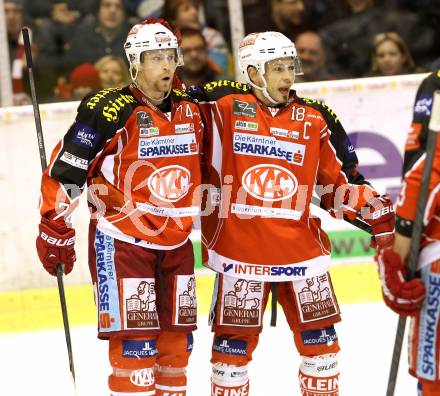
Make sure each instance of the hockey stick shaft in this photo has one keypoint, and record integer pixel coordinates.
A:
(41, 148)
(431, 144)
(356, 222)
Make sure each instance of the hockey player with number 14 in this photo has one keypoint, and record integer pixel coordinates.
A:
(138, 150)
(266, 151)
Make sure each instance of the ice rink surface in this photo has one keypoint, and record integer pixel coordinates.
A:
(36, 363)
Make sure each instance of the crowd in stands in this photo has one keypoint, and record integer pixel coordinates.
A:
(78, 44)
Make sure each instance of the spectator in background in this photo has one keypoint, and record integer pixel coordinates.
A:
(348, 41)
(113, 72)
(185, 14)
(391, 56)
(313, 59)
(435, 65)
(198, 69)
(14, 23)
(288, 17)
(52, 35)
(67, 10)
(83, 79)
(285, 16)
(105, 36)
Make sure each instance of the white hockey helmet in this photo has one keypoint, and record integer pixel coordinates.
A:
(256, 49)
(148, 37)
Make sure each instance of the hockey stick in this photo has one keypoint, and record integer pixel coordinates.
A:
(27, 48)
(434, 128)
(357, 222)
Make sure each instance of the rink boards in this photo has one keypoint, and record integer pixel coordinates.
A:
(38, 309)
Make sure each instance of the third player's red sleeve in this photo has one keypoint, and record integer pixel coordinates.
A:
(414, 163)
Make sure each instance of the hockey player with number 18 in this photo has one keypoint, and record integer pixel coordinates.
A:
(138, 150)
(266, 150)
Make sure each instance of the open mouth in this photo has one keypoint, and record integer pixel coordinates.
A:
(284, 91)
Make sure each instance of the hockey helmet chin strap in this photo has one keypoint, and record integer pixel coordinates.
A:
(265, 92)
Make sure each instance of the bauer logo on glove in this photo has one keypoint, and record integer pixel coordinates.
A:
(57, 241)
(55, 245)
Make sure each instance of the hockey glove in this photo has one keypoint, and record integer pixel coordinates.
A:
(402, 296)
(55, 245)
(379, 214)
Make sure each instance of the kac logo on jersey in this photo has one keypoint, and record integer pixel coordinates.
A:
(269, 182)
(245, 109)
(143, 377)
(170, 183)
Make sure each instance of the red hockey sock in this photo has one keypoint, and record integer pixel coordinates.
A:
(170, 381)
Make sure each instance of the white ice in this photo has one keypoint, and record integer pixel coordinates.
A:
(36, 363)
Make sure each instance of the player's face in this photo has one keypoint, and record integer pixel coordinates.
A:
(156, 72)
(280, 75)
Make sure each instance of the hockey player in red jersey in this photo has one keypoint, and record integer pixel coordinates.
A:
(266, 151)
(408, 297)
(138, 150)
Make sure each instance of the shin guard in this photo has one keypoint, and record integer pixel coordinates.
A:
(319, 375)
(228, 380)
(132, 360)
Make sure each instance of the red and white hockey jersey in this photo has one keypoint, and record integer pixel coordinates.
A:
(140, 165)
(414, 163)
(262, 166)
